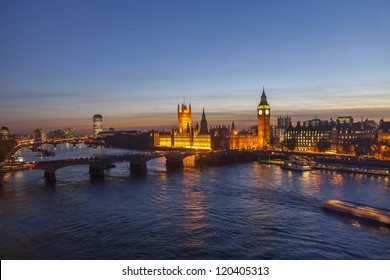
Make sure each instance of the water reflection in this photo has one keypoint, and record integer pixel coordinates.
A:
(158, 167)
(355, 224)
(310, 183)
(192, 200)
(337, 180)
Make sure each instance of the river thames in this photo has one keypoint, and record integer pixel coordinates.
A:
(240, 211)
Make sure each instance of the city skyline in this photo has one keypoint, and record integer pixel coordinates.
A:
(132, 62)
(242, 120)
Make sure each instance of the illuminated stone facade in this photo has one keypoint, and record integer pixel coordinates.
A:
(184, 119)
(183, 137)
(243, 140)
(263, 122)
(165, 139)
(183, 140)
(186, 136)
(202, 141)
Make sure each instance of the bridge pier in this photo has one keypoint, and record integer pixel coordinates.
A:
(1, 179)
(50, 176)
(174, 163)
(138, 169)
(96, 170)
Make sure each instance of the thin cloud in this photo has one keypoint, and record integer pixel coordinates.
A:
(9, 96)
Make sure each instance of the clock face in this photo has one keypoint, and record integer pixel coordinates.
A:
(266, 112)
(260, 112)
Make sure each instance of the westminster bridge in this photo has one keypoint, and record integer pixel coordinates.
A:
(138, 162)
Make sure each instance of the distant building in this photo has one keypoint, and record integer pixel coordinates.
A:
(277, 132)
(355, 137)
(347, 133)
(308, 136)
(40, 135)
(56, 134)
(4, 133)
(313, 122)
(69, 132)
(97, 125)
(370, 123)
(284, 121)
(384, 139)
(384, 132)
(344, 120)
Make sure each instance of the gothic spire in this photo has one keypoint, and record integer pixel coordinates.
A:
(263, 99)
(203, 124)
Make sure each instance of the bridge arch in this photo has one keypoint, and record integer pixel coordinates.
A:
(179, 160)
(157, 164)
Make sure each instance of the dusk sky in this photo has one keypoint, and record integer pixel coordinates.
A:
(61, 62)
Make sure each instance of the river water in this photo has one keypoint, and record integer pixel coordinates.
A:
(241, 211)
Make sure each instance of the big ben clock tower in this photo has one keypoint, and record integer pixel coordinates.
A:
(263, 122)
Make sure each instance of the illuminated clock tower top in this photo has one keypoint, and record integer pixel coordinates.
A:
(263, 100)
(263, 109)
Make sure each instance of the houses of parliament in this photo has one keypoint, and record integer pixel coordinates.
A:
(186, 135)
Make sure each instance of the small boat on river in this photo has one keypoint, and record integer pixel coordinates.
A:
(295, 165)
(359, 211)
(46, 153)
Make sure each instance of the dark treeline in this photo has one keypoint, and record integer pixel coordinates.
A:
(5, 147)
(142, 141)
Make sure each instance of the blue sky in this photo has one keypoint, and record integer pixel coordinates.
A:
(133, 61)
